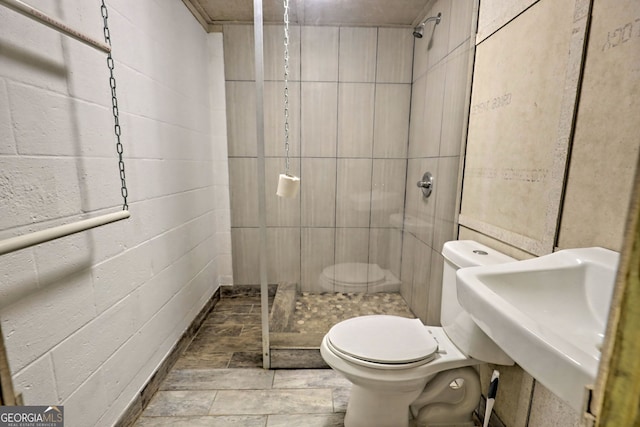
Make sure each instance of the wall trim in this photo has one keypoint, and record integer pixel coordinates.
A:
(198, 12)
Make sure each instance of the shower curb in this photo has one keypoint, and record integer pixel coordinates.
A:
(284, 306)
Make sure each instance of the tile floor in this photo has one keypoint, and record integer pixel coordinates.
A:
(219, 381)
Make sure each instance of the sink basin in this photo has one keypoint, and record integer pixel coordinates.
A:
(548, 314)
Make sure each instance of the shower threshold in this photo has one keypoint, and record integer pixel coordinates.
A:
(299, 320)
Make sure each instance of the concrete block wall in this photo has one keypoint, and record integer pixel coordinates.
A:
(86, 319)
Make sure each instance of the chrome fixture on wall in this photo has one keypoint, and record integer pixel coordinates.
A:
(419, 29)
(426, 184)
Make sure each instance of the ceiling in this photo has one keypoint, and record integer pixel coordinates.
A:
(379, 13)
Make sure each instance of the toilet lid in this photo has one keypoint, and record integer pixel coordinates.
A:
(357, 273)
(384, 339)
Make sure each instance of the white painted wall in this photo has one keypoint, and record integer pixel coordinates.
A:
(88, 318)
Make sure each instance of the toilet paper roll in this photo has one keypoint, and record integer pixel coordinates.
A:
(288, 185)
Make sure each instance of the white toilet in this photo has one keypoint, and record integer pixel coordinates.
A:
(398, 364)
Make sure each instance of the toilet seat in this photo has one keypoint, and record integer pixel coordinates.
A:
(383, 342)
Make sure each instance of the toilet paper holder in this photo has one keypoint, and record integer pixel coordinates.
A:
(426, 184)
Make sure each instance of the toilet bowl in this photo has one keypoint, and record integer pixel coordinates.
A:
(398, 365)
(357, 277)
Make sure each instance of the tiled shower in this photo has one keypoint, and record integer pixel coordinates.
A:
(371, 110)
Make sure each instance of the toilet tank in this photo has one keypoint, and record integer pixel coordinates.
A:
(457, 324)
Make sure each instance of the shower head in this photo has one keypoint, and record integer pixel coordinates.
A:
(419, 30)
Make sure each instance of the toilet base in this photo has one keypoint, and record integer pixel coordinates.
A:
(368, 408)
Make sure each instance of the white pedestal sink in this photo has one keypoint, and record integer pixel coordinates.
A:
(548, 314)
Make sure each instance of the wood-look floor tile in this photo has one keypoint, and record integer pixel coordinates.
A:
(254, 330)
(232, 318)
(246, 359)
(341, 398)
(210, 421)
(202, 360)
(306, 420)
(219, 330)
(253, 402)
(235, 308)
(218, 379)
(309, 378)
(180, 403)
(224, 344)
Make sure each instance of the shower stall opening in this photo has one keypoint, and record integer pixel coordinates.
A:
(299, 320)
(371, 110)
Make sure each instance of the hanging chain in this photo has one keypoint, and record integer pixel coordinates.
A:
(114, 108)
(286, 86)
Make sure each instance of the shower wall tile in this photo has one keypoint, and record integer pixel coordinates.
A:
(409, 243)
(319, 119)
(355, 119)
(461, 18)
(319, 53)
(455, 101)
(241, 118)
(417, 125)
(445, 227)
(283, 249)
(437, 46)
(274, 119)
(434, 297)
(318, 252)
(242, 188)
(395, 55)
(353, 193)
(421, 276)
(357, 56)
(426, 142)
(352, 245)
(239, 62)
(274, 52)
(318, 192)
(420, 211)
(385, 249)
(281, 211)
(391, 122)
(387, 194)
(246, 243)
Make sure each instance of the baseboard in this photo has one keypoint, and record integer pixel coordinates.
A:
(134, 410)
